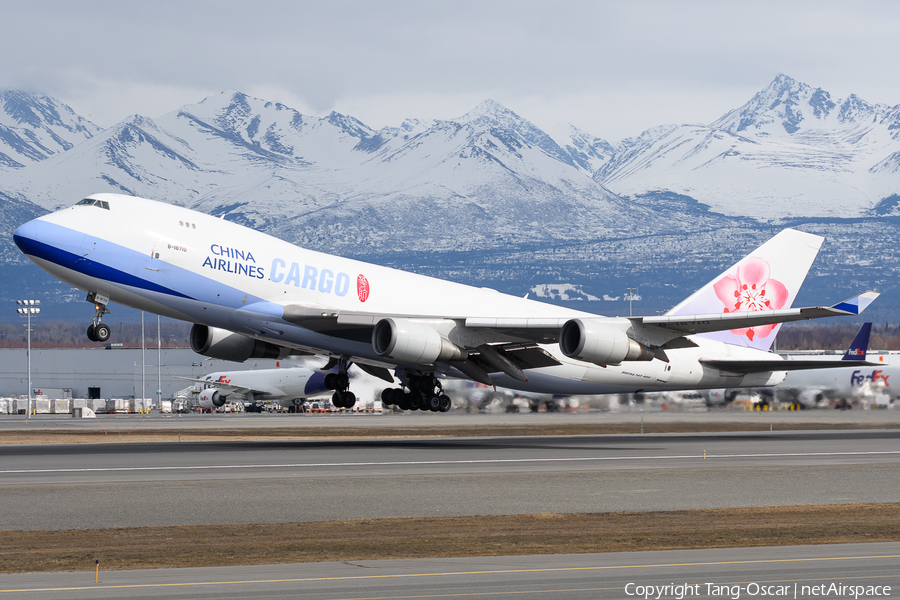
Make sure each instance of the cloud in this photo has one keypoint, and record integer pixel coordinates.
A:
(611, 68)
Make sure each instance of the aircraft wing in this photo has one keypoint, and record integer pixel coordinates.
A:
(689, 324)
(228, 388)
(546, 330)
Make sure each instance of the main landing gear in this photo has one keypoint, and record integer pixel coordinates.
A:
(340, 382)
(424, 393)
(97, 331)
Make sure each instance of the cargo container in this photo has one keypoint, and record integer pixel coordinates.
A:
(139, 405)
(41, 406)
(4, 405)
(61, 407)
(79, 403)
(116, 405)
(98, 405)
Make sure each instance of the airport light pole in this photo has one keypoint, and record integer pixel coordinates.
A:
(26, 309)
(631, 292)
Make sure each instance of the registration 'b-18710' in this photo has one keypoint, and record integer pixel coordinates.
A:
(250, 295)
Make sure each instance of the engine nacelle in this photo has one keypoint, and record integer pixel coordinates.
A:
(597, 342)
(227, 345)
(212, 398)
(409, 341)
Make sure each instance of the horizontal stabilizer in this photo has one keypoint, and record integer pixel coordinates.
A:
(766, 366)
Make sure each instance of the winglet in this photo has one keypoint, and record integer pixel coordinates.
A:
(856, 304)
(860, 344)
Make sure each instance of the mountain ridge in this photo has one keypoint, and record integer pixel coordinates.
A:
(494, 185)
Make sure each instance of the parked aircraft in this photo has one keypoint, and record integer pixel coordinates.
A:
(250, 295)
(808, 387)
(869, 382)
(288, 386)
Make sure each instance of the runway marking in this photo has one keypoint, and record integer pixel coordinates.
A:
(460, 573)
(485, 461)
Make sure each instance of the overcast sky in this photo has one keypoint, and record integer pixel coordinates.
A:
(613, 69)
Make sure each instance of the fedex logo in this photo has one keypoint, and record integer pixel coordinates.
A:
(855, 352)
(222, 379)
(877, 376)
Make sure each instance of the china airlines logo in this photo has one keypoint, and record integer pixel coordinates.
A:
(751, 290)
(362, 288)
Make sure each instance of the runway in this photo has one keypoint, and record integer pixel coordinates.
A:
(111, 485)
(787, 572)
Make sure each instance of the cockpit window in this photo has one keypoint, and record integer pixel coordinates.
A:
(92, 202)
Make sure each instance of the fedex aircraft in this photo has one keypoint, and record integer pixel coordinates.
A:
(250, 295)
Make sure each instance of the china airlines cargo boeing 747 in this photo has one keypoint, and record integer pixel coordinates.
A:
(250, 295)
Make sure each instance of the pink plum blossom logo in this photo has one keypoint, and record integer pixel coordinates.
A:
(362, 288)
(750, 291)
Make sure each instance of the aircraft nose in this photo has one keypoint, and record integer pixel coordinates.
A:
(26, 237)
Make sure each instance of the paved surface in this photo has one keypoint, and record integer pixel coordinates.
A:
(785, 572)
(137, 484)
(433, 423)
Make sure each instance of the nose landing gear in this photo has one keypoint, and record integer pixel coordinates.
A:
(97, 331)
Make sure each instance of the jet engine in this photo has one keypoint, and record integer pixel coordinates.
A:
(409, 341)
(211, 398)
(600, 343)
(227, 345)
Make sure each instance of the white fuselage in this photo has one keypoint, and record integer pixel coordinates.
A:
(194, 267)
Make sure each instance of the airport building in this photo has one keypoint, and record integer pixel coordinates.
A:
(112, 372)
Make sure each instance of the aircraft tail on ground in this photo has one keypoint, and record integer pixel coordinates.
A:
(860, 344)
(767, 279)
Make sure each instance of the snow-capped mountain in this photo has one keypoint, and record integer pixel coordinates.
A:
(489, 198)
(485, 179)
(35, 127)
(791, 151)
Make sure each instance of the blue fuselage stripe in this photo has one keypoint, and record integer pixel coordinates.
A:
(86, 266)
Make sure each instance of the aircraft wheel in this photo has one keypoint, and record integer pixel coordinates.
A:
(348, 398)
(402, 401)
(424, 385)
(387, 396)
(102, 332)
(446, 403)
(415, 401)
(90, 333)
(337, 400)
(433, 403)
(342, 382)
(330, 381)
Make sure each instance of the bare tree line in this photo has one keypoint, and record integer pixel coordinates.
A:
(61, 334)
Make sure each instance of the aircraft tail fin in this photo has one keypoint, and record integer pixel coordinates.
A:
(767, 279)
(860, 344)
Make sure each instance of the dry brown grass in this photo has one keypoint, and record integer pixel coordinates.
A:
(136, 434)
(221, 545)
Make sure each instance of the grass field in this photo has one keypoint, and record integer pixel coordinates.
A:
(222, 545)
